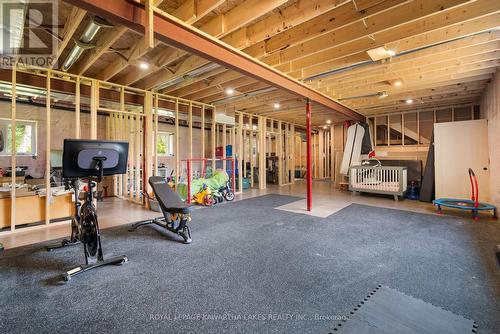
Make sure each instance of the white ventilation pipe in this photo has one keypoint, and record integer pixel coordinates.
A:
(84, 42)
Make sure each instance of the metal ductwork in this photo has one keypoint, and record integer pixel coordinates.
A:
(84, 43)
(193, 74)
(241, 96)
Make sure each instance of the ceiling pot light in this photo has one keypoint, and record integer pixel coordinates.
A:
(409, 101)
(144, 66)
(277, 105)
(229, 91)
(398, 83)
(328, 122)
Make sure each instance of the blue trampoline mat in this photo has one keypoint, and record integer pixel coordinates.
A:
(463, 204)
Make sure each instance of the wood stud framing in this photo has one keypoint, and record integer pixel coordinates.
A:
(302, 43)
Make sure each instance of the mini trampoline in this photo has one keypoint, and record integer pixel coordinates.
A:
(472, 204)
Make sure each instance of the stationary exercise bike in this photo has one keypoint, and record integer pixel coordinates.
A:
(90, 160)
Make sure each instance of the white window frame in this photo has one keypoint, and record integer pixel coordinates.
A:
(5, 123)
(170, 143)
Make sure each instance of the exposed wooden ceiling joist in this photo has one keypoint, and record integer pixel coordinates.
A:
(176, 33)
(445, 49)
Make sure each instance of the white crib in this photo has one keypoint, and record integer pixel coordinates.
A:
(379, 180)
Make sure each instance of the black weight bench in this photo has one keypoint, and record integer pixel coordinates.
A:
(176, 213)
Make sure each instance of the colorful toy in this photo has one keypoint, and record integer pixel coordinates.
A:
(227, 192)
(204, 197)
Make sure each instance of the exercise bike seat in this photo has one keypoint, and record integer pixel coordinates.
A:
(168, 199)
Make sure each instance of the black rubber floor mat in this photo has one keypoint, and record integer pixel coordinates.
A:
(387, 311)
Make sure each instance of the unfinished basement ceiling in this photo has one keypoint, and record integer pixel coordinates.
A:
(440, 53)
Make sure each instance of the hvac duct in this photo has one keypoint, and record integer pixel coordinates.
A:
(84, 43)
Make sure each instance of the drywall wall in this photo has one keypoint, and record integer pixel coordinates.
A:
(490, 108)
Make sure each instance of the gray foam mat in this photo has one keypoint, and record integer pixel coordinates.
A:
(387, 311)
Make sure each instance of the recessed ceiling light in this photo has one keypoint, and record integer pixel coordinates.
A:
(328, 122)
(391, 53)
(229, 91)
(277, 105)
(409, 101)
(143, 65)
(325, 127)
(398, 83)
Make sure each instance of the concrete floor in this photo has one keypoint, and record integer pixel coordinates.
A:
(326, 200)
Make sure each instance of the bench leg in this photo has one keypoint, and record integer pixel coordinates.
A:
(135, 226)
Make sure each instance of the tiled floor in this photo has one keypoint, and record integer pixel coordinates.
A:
(326, 200)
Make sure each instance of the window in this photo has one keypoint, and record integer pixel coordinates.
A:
(411, 129)
(381, 128)
(415, 127)
(462, 114)
(395, 130)
(165, 144)
(25, 137)
(444, 115)
(426, 125)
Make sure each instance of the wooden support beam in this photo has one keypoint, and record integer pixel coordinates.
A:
(214, 137)
(190, 11)
(177, 145)
(148, 144)
(262, 152)
(292, 153)
(224, 144)
(332, 152)
(132, 139)
(94, 105)
(77, 109)
(241, 159)
(149, 38)
(251, 146)
(139, 151)
(48, 126)
(13, 126)
(155, 138)
(279, 153)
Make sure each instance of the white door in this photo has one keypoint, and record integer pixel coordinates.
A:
(459, 146)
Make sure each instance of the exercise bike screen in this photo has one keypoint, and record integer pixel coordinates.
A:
(86, 158)
(79, 157)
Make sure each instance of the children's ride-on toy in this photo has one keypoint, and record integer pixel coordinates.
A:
(204, 197)
(227, 192)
